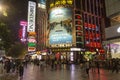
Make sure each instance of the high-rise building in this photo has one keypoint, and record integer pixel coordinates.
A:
(113, 11)
(75, 28)
(41, 25)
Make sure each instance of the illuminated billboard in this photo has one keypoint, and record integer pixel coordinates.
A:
(31, 43)
(114, 48)
(60, 2)
(31, 16)
(23, 30)
(60, 31)
(42, 4)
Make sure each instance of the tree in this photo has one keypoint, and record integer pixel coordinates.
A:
(6, 36)
(17, 51)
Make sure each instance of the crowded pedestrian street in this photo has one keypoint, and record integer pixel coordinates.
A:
(59, 39)
(66, 72)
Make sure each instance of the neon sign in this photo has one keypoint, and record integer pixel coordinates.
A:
(22, 32)
(31, 16)
(62, 2)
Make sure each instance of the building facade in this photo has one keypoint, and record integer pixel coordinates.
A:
(41, 25)
(113, 12)
(75, 28)
(112, 31)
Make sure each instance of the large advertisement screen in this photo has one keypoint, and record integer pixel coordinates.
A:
(60, 31)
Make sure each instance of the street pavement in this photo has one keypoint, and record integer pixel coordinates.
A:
(71, 72)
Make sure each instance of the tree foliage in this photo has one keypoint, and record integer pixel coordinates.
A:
(5, 36)
(17, 51)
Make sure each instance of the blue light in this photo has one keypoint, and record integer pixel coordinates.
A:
(42, 2)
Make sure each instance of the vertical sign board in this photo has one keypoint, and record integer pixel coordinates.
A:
(23, 36)
(31, 23)
(31, 16)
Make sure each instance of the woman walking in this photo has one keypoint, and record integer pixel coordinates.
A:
(21, 71)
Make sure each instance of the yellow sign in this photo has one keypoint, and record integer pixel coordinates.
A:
(62, 2)
(38, 52)
(32, 33)
(58, 50)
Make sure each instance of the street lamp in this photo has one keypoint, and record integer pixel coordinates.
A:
(0, 8)
(3, 11)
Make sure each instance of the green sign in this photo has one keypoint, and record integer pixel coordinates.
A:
(31, 44)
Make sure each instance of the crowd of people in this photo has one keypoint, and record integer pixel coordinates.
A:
(18, 65)
(112, 65)
(8, 66)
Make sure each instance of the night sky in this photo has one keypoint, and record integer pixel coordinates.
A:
(17, 11)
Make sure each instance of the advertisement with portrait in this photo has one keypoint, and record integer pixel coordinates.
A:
(115, 49)
(60, 28)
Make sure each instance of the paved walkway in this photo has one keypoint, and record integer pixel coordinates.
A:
(72, 72)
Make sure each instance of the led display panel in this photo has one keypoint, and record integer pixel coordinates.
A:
(60, 28)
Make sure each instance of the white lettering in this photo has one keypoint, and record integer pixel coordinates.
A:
(31, 16)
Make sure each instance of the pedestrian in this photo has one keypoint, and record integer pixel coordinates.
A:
(87, 67)
(21, 70)
(7, 66)
(1, 67)
(12, 65)
(92, 66)
(52, 64)
(115, 66)
(98, 66)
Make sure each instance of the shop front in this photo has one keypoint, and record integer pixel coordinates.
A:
(112, 44)
(68, 55)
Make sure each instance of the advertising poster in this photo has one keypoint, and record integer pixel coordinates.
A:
(31, 43)
(114, 49)
(60, 31)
